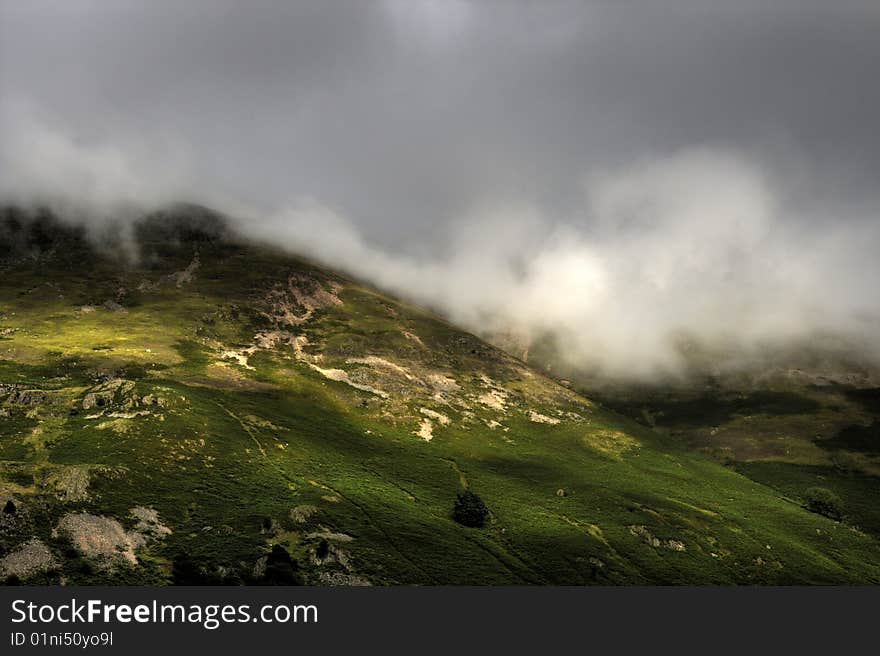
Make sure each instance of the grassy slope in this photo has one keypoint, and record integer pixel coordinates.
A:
(235, 447)
(789, 435)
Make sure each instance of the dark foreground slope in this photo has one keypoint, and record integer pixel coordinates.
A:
(215, 411)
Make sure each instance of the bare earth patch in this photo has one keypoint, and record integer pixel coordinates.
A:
(425, 430)
(30, 558)
(441, 383)
(148, 522)
(375, 361)
(436, 416)
(413, 338)
(495, 399)
(330, 535)
(340, 578)
(241, 357)
(342, 376)
(101, 538)
(538, 418)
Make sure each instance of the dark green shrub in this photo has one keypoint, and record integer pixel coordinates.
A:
(133, 371)
(281, 569)
(184, 571)
(823, 501)
(470, 510)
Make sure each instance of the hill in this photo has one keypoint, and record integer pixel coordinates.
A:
(178, 405)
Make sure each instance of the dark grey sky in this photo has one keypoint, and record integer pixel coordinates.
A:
(406, 113)
(419, 129)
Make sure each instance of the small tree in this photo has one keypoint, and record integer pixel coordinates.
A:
(470, 510)
(184, 571)
(823, 501)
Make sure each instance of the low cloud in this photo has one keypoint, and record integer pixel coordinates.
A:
(634, 182)
(703, 246)
(696, 247)
(87, 180)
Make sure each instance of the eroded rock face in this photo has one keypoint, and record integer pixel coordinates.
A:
(184, 277)
(30, 558)
(295, 303)
(27, 397)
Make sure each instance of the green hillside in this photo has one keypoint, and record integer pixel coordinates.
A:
(793, 433)
(179, 406)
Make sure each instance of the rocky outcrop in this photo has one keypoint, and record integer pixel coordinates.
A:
(107, 393)
(653, 541)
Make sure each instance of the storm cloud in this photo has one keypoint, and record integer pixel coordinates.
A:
(619, 175)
